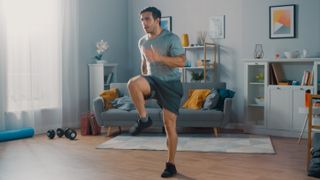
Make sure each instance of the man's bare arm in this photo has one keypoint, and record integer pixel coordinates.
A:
(176, 61)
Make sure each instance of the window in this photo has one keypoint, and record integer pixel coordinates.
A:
(33, 54)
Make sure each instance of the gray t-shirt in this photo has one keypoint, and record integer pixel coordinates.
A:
(166, 44)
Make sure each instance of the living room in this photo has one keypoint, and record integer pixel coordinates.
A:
(71, 36)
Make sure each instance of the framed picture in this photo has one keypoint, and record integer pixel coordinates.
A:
(282, 21)
(166, 23)
(216, 27)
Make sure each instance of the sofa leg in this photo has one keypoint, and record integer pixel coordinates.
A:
(120, 129)
(215, 130)
(109, 131)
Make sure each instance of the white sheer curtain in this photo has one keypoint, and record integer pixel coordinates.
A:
(38, 85)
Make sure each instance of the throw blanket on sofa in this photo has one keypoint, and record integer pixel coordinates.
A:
(123, 103)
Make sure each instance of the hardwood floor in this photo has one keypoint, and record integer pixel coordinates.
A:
(41, 158)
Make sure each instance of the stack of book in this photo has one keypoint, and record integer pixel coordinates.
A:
(307, 78)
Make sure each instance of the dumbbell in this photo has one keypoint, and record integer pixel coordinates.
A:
(60, 132)
(70, 133)
(51, 134)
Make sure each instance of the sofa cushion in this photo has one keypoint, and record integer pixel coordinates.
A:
(152, 103)
(211, 100)
(223, 93)
(200, 118)
(123, 103)
(197, 85)
(108, 96)
(196, 98)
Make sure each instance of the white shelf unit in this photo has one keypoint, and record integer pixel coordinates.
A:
(280, 114)
(255, 113)
(99, 75)
(195, 53)
(316, 73)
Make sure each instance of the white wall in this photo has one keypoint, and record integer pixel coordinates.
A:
(107, 20)
(247, 23)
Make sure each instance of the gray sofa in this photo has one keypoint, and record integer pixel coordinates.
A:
(187, 117)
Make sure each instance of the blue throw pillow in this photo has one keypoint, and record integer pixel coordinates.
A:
(211, 100)
(224, 93)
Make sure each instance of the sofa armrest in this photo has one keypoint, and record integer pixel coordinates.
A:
(227, 108)
(98, 108)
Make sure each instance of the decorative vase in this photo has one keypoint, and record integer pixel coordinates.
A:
(101, 61)
(185, 40)
(258, 51)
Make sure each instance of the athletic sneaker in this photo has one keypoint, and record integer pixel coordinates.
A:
(139, 126)
(169, 171)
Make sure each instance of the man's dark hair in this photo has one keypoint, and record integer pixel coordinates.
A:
(156, 13)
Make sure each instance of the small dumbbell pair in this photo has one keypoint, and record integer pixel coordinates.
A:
(68, 132)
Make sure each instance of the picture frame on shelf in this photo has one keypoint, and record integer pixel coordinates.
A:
(166, 23)
(282, 21)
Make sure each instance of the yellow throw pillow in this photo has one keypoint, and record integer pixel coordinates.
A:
(108, 96)
(196, 98)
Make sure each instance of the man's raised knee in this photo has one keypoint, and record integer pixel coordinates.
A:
(132, 83)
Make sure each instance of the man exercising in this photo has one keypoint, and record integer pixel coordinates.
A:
(161, 55)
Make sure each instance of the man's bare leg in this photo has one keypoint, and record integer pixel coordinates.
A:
(138, 88)
(169, 121)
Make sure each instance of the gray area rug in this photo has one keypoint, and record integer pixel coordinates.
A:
(228, 143)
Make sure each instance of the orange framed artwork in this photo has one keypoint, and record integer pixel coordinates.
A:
(282, 21)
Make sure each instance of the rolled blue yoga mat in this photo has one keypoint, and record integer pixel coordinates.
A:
(16, 134)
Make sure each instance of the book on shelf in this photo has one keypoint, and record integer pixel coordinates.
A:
(307, 78)
(272, 76)
(278, 72)
(108, 79)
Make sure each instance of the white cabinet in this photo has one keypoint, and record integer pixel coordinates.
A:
(283, 111)
(100, 77)
(299, 109)
(279, 107)
(286, 107)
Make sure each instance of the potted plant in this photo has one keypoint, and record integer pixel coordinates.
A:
(101, 47)
(197, 76)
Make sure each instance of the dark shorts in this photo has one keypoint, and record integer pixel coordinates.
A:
(167, 93)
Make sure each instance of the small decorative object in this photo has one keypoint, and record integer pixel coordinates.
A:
(291, 54)
(166, 23)
(259, 100)
(260, 77)
(102, 46)
(282, 21)
(196, 76)
(296, 83)
(277, 56)
(185, 40)
(201, 39)
(258, 51)
(304, 53)
(187, 63)
(216, 27)
(200, 62)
